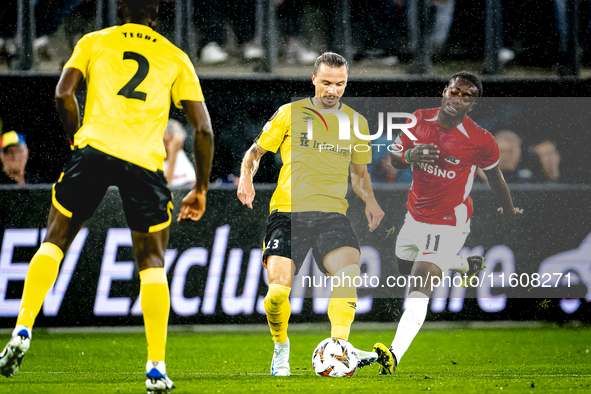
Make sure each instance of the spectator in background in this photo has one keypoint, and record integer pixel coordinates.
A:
(211, 15)
(444, 16)
(404, 176)
(49, 14)
(178, 169)
(549, 158)
(510, 147)
(14, 155)
(383, 171)
(291, 14)
(8, 17)
(535, 30)
(379, 29)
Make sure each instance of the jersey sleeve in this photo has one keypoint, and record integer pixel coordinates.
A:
(362, 151)
(275, 130)
(403, 142)
(186, 86)
(81, 56)
(489, 154)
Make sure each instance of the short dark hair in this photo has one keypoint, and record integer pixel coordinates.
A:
(469, 77)
(331, 59)
(139, 8)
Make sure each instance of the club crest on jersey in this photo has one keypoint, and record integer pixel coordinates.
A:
(304, 139)
(452, 160)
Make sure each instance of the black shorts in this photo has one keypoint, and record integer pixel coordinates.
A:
(84, 182)
(291, 235)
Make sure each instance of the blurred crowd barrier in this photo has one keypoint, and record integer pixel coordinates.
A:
(266, 33)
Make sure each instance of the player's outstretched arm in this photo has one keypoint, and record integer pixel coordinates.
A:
(65, 100)
(423, 153)
(497, 183)
(361, 182)
(194, 203)
(250, 165)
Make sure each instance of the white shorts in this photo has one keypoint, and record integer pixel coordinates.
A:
(434, 243)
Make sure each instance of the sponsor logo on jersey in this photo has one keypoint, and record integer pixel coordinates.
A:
(452, 160)
(435, 170)
(316, 117)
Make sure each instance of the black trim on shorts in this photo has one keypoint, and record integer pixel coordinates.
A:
(147, 201)
(292, 235)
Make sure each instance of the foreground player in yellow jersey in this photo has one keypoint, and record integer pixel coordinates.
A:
(132, 73)
(308, 207)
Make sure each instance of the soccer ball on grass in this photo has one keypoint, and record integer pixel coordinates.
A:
(335, 357)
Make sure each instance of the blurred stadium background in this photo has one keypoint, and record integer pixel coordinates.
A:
(529, 49)
(391, 56)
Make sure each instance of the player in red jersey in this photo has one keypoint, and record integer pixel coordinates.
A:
(448, 149)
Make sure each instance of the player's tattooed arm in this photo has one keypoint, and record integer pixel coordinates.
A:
(65, 101)
(361, 182)
(497, 183)
(250, 165)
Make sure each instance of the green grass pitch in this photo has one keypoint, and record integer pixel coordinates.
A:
(546, 359)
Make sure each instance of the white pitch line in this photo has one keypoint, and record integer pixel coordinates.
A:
(228, 374)
(296, 327)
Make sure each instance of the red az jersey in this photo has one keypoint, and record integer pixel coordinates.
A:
(440, 191)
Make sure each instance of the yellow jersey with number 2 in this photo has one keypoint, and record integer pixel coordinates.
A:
(131, 73)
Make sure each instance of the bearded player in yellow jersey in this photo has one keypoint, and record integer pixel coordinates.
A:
(132, 73)
(308, 207)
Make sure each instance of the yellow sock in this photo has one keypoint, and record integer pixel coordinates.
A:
(343, 302)
(41, 275)
(278, 311)
(155, 299)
